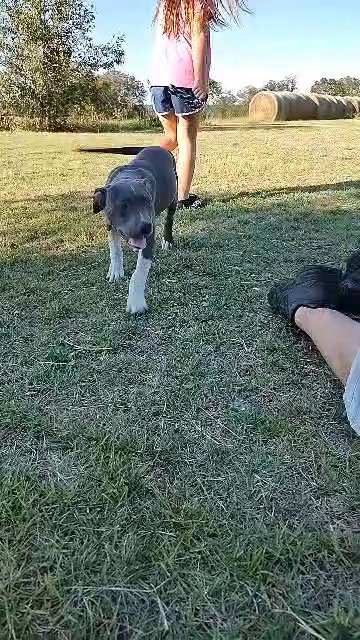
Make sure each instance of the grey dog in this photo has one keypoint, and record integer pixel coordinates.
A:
(132, 197)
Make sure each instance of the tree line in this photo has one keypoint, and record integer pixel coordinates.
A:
(52, 70)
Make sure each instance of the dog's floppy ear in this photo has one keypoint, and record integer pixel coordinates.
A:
(99, 199)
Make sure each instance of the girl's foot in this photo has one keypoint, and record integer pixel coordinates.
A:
(192, 202)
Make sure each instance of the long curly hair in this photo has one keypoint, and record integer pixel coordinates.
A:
(215, 13)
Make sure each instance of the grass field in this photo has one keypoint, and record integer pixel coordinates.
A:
(189, 473)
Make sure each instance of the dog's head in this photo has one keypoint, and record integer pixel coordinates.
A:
(128, 209)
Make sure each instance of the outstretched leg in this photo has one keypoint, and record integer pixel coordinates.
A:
(311, 300)
(335, 335)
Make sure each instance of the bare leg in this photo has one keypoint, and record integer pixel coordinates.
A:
(336, 336)
(187, 130)
(169, 139)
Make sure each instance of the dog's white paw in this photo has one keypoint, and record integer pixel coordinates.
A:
(136, 303)
(166, 245)
(116, 271)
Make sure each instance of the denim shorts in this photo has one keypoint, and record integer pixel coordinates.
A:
(180, 101)
(352, 395)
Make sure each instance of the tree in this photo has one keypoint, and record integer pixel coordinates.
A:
(119, 94)
(219, 96)
(246, 94)
(49, 58)
(215, 90)
(328, 85)
(289, 83)
(227, 99)
(351, 86)
(347, 86)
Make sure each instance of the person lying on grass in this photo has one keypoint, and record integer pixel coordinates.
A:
(316, 301)
(180, 76)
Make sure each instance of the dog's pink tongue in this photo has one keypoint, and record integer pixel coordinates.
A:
(138, 243)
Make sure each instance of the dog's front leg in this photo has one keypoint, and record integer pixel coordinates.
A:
(167, 241)
(136, 302)
(116, 268)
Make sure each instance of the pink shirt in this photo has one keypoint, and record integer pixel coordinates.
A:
(173, 60)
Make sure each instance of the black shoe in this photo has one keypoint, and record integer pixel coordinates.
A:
(314, 287)
(350, 285)
(192, 202)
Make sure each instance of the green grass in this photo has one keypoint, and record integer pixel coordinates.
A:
(189, 473)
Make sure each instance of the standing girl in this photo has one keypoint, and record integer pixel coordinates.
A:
(180, 76)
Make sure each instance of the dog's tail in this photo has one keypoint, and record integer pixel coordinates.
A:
(122, 151)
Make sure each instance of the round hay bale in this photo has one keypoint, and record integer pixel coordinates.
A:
(331, 109)
(355, 102)
(323, 107)
(273, 106)
(301, 106)
(327, 107)
(267, 106)
(347, 107)
(297, 106)
(350, 108)
(315, 100)
(334, 109)
(284, 106)
(342, 108)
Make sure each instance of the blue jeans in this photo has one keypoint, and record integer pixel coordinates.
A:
(352, 395)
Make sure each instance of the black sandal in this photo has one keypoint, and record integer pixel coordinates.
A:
(313, 287)
(192, 202)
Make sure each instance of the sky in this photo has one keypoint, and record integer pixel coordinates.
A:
(308, 38)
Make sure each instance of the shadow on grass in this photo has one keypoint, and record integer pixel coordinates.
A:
(58, 201)
(69, 201)
(50, 226)
(222, 127)
(262, 126)
(315, 188)
(117, 126)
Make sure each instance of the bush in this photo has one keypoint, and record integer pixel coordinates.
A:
(109, 126)
(226, 111)
(82, 125)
